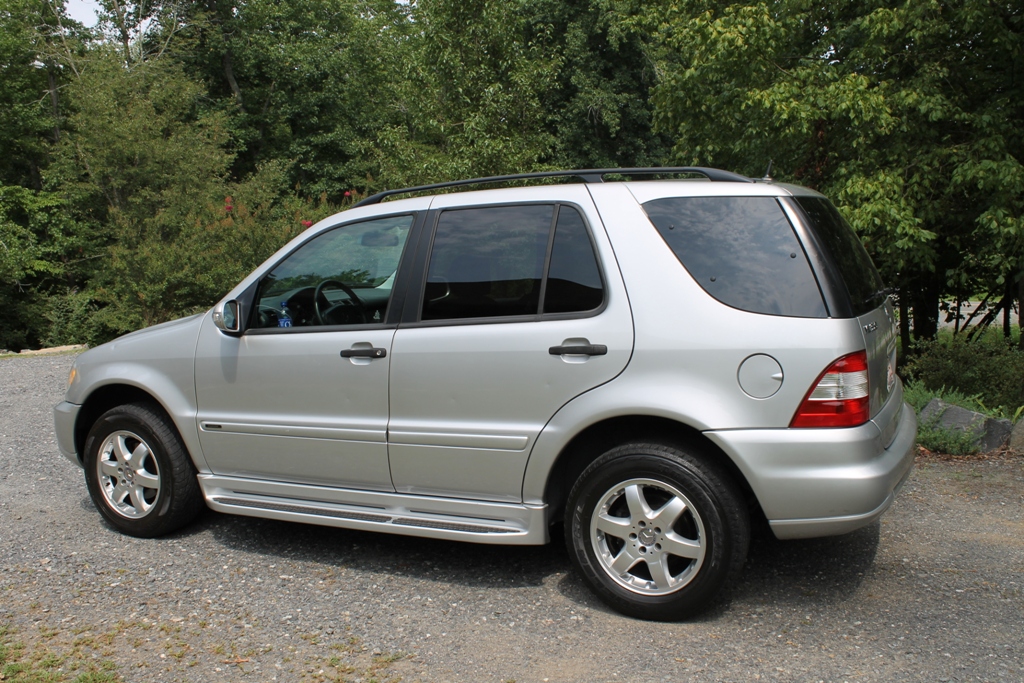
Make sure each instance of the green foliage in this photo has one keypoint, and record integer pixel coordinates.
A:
(39, 251)
(984, 375)
(909, 114)
(142, 145)
(166, 273)
(944, 440)
(930, 433)
(121, 149)
(494, 87)
(28, 80)
(918, 396)
(307, 81)
(69, 315)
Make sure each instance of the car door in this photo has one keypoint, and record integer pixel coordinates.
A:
(521, 309)
(302, 395)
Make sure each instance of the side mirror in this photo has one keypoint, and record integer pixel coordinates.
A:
(227, 317)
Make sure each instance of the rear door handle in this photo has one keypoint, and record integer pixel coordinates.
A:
(579, 350)
(364, 353)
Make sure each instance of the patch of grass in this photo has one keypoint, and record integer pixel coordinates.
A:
(918, 396)
(41, 664)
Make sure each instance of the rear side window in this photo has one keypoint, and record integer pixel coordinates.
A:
(574, 280)
(742, 251)
(490, 262)
(863, 283)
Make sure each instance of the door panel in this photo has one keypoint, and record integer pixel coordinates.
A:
(468, 401)
(302, 396)
(288, 407)
(473, 384)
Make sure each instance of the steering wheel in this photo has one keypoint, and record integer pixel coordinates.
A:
(354, 301)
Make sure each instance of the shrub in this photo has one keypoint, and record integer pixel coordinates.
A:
(935, 437)
(69, 314)
(944, 440)
(987, 373)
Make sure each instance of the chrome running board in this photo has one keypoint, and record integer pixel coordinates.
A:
(396, 513)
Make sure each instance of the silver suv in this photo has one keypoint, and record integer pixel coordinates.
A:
(652, 362)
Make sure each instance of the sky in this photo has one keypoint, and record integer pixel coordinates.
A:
(83, 11)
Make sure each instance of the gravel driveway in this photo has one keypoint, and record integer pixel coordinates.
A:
(933, 593)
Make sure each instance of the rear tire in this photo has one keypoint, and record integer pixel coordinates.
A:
(656, 531)
(139, 474)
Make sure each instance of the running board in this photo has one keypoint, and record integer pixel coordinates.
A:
(427, 516)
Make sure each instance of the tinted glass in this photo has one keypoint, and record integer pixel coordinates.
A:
(742, 251)
(574, 280)
(862, 281)
(341, 277)
(487, 262)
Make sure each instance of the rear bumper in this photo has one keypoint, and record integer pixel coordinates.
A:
(823, 482)
(64, 416)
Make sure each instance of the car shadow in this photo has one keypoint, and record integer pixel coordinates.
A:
(824, 570)
(797, 573)
(468, 564)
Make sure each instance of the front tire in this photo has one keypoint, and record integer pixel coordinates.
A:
(656, 531)
(139, 474)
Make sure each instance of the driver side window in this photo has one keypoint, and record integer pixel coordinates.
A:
(341, 277)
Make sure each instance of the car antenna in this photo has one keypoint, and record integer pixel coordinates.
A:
(768, 173)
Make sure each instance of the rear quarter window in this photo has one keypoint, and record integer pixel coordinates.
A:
(863, 283)
(742, 251)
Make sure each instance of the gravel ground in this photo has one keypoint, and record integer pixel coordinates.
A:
(933, 593)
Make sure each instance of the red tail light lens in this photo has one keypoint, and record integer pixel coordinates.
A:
(840, 396)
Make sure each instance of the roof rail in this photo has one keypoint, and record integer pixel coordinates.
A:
(592, 175)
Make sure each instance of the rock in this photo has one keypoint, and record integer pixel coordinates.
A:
(1017, 438)
(990, 433)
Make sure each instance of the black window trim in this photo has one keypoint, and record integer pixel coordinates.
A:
(401, 283)
(413, 310)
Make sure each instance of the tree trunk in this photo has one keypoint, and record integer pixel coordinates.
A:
(229, 74)
(987, 319)
(1020, 309)
(925, 303)
(121, 23)
(1007, 309)
(904, 324)
(54, 102)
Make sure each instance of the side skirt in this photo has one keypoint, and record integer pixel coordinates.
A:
(394, 513)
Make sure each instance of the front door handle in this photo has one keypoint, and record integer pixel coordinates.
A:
(375, 352)
(579, 350)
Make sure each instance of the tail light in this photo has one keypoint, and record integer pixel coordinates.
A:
(839, 398)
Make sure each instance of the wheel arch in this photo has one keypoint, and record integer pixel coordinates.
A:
(109, 396)
(600, 437)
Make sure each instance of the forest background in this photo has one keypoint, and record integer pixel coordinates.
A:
(147, 164)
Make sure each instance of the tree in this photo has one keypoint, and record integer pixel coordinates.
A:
(29, 99)
(910, 115)
(504, 87)
(41, 247)
(308, 82)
